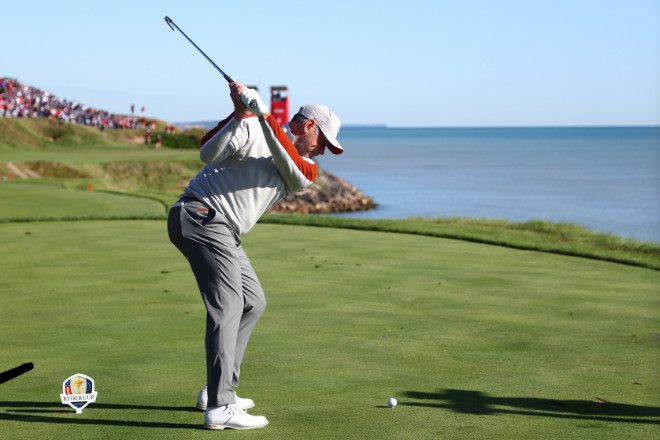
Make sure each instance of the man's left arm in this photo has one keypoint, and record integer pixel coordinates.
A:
(297, 172)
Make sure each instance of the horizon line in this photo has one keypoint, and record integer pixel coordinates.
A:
(468, 126)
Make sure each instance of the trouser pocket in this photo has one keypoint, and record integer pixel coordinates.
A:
(198, 213)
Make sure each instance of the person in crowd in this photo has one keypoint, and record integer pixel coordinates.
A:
(22, 101)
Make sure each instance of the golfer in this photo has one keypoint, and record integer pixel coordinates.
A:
(252, 163)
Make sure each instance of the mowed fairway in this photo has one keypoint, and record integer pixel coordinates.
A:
(37, 200)
(475, 341)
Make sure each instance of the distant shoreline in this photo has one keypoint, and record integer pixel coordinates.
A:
(212, 123)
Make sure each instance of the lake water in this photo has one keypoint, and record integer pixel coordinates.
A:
(604, 178)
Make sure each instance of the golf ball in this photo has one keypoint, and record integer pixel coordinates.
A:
(392, 402)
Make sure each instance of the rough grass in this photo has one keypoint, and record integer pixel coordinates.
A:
(179, 141)
(55, 170)
(560, 238)
(45, 133)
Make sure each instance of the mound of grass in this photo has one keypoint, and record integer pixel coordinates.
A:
(154, 175)
(196, 132)
(16, 133)
(179, 141)
(45, 132)
(56, 170)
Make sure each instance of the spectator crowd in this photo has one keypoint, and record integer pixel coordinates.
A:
(20, 101)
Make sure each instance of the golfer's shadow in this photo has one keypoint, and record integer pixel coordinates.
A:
(23, 411)
(478, 403)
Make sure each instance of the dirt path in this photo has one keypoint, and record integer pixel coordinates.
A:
(24, 174)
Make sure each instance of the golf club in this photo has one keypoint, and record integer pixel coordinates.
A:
(15, 372)
(172, 25)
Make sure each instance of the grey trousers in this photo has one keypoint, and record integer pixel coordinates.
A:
(230, 289)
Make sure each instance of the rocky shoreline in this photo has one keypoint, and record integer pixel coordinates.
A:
(328, 194)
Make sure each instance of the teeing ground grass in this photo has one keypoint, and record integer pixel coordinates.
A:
(475, 341)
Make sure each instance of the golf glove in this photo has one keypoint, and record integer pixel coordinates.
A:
(252, 96)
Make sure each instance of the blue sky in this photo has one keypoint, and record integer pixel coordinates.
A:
(400, 63)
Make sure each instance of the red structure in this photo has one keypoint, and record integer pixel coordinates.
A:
(279, 103)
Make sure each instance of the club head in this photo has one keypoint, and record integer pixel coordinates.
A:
(169, 22)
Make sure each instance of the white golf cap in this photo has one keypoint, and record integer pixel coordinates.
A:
(327, 121)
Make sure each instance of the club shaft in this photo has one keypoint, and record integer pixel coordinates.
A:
(171, 23)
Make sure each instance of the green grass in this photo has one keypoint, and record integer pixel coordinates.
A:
(35, 200)
(97, 154)
(44, 133)
(475, 341)
(178, 141)
(559, 238)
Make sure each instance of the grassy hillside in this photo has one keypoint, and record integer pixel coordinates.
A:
(40, 133)
(74, 155)
(43, 133)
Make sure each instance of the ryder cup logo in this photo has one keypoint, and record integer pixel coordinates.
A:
(78, 392)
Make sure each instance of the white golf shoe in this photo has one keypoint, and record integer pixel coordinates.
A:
(232, 417)
(203, 398)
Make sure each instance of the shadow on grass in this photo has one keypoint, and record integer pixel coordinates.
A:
(22, 411)
(478, 403)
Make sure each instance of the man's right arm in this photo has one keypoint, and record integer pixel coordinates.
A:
(215, 143)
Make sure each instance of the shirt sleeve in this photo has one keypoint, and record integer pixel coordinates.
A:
(297, 172)
(216, 144)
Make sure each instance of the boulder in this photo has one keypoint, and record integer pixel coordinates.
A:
(328, 194)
